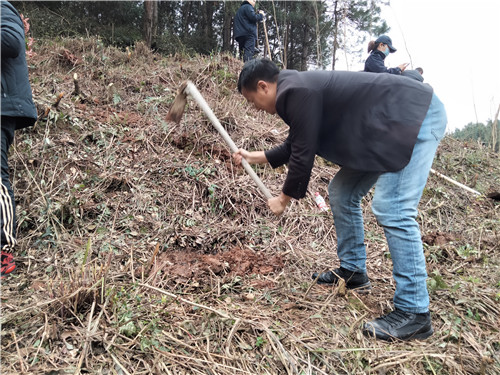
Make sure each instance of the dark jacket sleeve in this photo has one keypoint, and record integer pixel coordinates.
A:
(375, 64)
(279, 155)
(12, 33)
(304, 114)
(251, 16)
(16, 94)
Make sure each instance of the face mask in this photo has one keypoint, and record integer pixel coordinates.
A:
(387, 51)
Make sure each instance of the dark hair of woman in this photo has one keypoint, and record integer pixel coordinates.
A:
(372, 45)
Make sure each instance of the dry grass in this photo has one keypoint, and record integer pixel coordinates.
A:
(144, 250)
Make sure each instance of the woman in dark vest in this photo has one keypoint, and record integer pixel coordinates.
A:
(384, 131)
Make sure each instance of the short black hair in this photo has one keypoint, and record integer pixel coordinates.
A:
(256, 70)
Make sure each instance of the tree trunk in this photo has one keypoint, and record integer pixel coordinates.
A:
(319, 58)
(186, 17)
(305, 49)
(285, 47)
(226, 29)
(208, 15)
(335, 33)
(494, 133)
(150, 21)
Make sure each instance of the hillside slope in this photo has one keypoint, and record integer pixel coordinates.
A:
(143, 249)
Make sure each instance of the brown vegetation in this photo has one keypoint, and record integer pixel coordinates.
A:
(143, 249)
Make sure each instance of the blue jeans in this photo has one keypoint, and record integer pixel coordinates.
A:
(394, 204)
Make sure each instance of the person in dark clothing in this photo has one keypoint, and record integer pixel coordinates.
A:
(245, 28)
(414, 74)
(356, 120)
(18, 111)
(379, 50)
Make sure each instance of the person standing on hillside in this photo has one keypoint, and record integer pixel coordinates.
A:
(18, 111)
(379, 50)
(357, 121)
(245, 28)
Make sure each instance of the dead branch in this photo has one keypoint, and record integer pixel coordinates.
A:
(455, 182)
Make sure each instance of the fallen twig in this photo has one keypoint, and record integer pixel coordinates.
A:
(455, 182)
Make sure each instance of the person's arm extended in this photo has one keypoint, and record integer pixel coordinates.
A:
(375, 64)
(253, 16)
(278, 204)
(252, 157)
(397, 70)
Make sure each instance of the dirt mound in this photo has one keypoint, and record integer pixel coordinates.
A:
(188, 266)
(438, 239)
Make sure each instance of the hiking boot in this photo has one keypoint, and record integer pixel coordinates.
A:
(8, 264)
(353, 280)
(400, 325)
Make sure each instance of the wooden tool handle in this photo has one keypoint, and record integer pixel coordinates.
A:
(267, 40)
(193, 91)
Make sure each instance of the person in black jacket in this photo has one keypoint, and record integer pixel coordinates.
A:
(383, 130)
(379, 50)
(245, 28)
(18, 111)
(413, 74)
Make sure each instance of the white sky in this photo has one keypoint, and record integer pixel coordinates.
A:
(457, 43)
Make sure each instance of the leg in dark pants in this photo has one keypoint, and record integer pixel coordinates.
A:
(7, 203)
(247, 45)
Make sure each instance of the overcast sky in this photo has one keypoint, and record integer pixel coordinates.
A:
(457, 43)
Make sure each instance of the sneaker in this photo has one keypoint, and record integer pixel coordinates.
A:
(7, 257)
(353, 280)
(8, 264)
(400, 325)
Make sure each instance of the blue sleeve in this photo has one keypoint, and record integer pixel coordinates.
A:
(12, 33)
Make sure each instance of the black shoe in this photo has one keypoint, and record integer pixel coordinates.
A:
(400, 325)
(353, 280)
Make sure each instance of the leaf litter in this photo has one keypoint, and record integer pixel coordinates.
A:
(144, 249)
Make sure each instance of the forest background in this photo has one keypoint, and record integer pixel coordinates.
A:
(302, 34)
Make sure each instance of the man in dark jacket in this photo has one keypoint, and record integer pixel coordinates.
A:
(382, 129)
(18, 111)
(245, 28)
